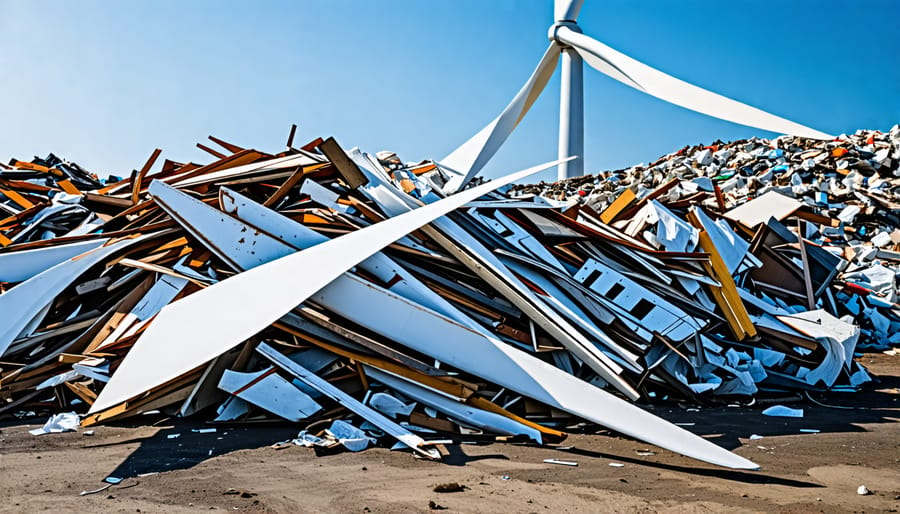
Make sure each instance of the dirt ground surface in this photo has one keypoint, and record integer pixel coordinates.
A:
(237, 468)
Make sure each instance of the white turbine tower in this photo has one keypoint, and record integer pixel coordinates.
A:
(567, 40)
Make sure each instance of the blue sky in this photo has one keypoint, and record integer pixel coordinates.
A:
(103, 83)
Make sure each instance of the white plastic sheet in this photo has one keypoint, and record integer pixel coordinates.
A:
(62, 422)
(782, 411)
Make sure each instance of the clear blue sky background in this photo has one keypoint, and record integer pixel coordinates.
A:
(104, 82)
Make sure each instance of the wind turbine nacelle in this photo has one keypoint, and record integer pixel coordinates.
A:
(552, 32)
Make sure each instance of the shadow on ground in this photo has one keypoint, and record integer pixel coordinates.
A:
(825, 412)
(159, 453)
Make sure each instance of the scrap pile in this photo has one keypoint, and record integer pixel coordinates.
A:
(322, 286)
(844, 193)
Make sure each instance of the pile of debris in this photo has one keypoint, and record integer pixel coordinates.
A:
(845, 192)
(325, 286)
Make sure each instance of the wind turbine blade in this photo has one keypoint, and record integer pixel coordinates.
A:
(468, 159)
(666, 87)
(566, 10)
(238, 307)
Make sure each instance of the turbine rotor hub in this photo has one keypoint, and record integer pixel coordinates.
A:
(552, 33)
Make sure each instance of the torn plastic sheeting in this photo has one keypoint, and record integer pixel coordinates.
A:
(840, 336)
(58, 380)
(731, 247)
(308, 440)
(62, 422)
(768, 358)
(783, 412)
(348, 435)
(673, 233)
(877, 278)
(390, 406)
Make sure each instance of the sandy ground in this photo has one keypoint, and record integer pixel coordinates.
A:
(236, 468)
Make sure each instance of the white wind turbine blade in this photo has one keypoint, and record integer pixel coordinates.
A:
(666, 87)
(200, 327)
(468, 159)
(566, 10)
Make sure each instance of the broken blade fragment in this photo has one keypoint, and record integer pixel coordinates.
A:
(403, 435)
(277, 285)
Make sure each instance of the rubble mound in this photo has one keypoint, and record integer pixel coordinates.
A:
(717, 274)
(846, 190)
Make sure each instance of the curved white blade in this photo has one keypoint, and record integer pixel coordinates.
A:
(24, 264)
(468, 159)
(666, 87)
(566, 10)
(202, 326)
(21, 306)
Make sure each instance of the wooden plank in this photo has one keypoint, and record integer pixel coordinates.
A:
(217, 155)
(550, 435)
(226, 145)
(316, 328)
(312, 145)
(617, 206)
(237, 159)
(661, 190)
(111, 201)
(818, 219)
(82, 391)
(290, 139)
(720, 198)
(67, 186)
(119, 314)
(726, 296)
(17, 198)
(421, 170)
(36, 167)
(167, 394)
(440, 425)
(70, 358)
(447, 384)
(138, 182)
(345, 166)
(15, 219)
(289, 184)
(107, 414)
(22, 185)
